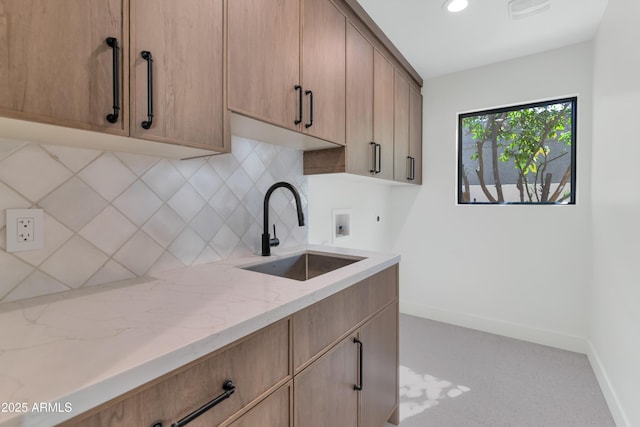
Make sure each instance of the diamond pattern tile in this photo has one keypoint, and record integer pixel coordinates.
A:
(138, 203)
(189, 166)
(109, 230)
(72, 157)
(187, 246)
(224, 164)
(108, 176)
(164, 263)
(206, 181)
(186, 202)
(164, 179)
(239, 183)
(138, 163)
(241, 148)
(224, 241)
(12, 272)
(9, 146)
(74, 204)
(253, 166)
(139, 253)
(207, 255)
(35, 285)
(164, 226)
(240, 221)
(9, 199)
(224, 202)
(207, 223)
(74, 262)
(110, 272)
(17, 170)
(136, 214)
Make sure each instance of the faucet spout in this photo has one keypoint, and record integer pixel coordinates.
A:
(267, 241)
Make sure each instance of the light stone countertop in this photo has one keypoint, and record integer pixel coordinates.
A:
(75, 350)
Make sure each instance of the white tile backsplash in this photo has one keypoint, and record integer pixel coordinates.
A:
(108, 176)
(114, 216)
(32, 172)
(75, 262)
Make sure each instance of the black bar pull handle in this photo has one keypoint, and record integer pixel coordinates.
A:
(413, 168)
(377, 156)
(409, 163)
(228, 388)
(374, 158)
(360, 359)
(298, 119)
(310, 94)
(112, 42)
(146, 55)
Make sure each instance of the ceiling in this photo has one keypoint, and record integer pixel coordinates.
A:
(437, 42)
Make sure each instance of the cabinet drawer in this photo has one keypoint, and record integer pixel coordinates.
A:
(274, 411)
(317, 327)
(256, 365)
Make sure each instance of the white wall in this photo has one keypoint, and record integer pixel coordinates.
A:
(615, 315)
(367, 200)
(520, 271)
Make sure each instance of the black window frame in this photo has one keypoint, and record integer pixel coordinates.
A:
(574, 114)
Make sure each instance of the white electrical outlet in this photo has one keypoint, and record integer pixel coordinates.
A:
(24, 230)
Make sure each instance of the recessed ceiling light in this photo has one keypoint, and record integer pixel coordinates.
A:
(455, 5)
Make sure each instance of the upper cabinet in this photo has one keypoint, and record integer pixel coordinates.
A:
(361, 150)
(177, 78)
(370, 90)
(383, 96)
(80, 64)
(383, 115)
(263, 60)
(286, 65)
(323, 70)
(407, 133)
(415, 135)
(176, 71)
(55, 64)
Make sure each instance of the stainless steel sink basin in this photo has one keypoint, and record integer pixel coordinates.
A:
(303, 266)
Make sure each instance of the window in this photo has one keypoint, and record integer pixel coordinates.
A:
(523, 154)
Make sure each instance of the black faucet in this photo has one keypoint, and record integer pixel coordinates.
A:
(267, 241)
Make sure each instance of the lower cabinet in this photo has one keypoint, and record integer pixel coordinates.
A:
(379, 380)
(324, 392)
(256, 365)
(356, 382)
(334, 363)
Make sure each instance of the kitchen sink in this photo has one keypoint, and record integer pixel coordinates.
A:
(303, 266)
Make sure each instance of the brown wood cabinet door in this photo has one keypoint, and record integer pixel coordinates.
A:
(415, 132)
(359, 112)
(379, 395)
(185, 39)
(55, 66)
(401, 130)
(323, 69)
(263, 59)
(383, 93)
(324, 394)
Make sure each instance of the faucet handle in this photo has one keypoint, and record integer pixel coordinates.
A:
(275, 241)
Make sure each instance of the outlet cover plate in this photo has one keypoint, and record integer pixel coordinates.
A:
(14, 244)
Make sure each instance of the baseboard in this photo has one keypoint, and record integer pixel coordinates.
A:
(610, 395)
(498, 327)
